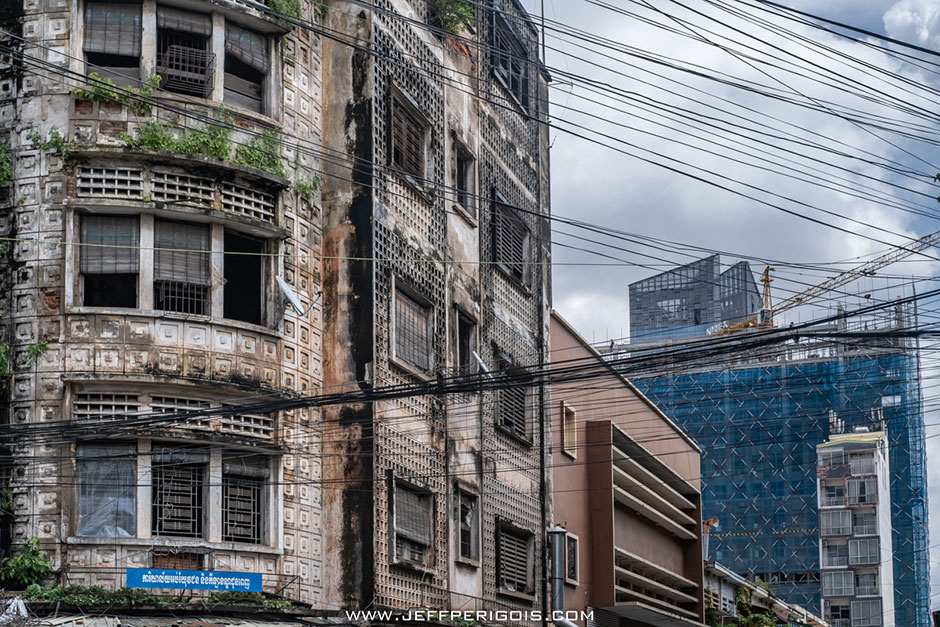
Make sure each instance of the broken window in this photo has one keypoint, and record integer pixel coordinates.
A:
(185, 61)
(514, 565)
(510, 65)
(466, 344)
(569, 431)
(112, 41)
(109, 260)
(243, 495)
(468, 520)
(413, 531)
(412, 329)
(179, 480)
(246, 65)
(510, 242)
(244, 278)
(408, 137)
(511, 400)
(181, 267)
(107, 491)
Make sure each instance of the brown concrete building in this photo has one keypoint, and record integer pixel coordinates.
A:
(625, 486)
(154, 232)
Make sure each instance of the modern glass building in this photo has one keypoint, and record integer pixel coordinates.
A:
(759, 420)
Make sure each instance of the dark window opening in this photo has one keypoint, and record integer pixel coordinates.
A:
(243, 278)
(465, 180)
(184, 60)
(510, 65)
(469, 526)
(466, 344)
(177, 560)
(412, 331)
(123, 71)
(110, 290)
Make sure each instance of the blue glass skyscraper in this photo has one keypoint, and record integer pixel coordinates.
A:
(759, 419)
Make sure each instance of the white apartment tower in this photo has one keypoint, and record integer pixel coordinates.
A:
(855, 528)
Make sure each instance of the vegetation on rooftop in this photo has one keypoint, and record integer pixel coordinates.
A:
(86, 596)
(104, 90)
(451, 15)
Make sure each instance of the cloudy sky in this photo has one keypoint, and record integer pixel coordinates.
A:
(604, 186)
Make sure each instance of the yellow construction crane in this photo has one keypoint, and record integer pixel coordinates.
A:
(765, 319)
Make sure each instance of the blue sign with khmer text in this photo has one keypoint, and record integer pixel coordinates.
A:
(193, 580)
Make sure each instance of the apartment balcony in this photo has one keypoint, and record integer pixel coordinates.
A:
(835, 561)
(866, 591)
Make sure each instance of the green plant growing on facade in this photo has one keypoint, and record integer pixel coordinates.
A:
(27, 568)
(104, 90)
(451, 15)
(306, 189)
(84, 596)
(4, 365)
(263, 152)
(35, 351)
(212, 140)
(6, 165)
(254, 599)
(6, 500)
(747, 617)
(54, 142)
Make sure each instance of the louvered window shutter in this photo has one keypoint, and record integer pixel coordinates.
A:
(182, 252)
(112, 28)
(110, 245)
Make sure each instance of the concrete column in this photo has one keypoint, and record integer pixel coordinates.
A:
(148, 40)
(215, 496)
(217, 270)
(144, 488)
(218, 48)
(145, 277)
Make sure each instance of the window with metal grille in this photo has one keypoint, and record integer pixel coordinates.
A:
(246, 65)
(511, 401)
(181, 267)
(465, 179)
(468, 520)
(109, 260)
(862, 491)
(100, 406)
(509, 59)
(177, 560)
(112, 41)
(569, 431)
(413, 531)
(838, 523)
(248, 202)
(412, 330)
(243, 498)
(179, 494)
(183, 189)
(408, 138)
(185, 62)
(241, 423)
(866, 613)
(839, 584)
(514, 567)
(107, 491)
(510, 242)
(572, 567)
(835, 555)
(863, 552)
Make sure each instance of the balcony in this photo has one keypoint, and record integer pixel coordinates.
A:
(835, 561)
(833, 501)
(866, 590)
(838, 622)
(865, 529)
(862, 465)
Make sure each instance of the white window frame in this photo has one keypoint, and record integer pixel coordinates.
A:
(840, 583)
(827, 528)
(569, 430)
(869, 557)
(874, 611)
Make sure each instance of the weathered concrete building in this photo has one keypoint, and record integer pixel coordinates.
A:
(398, 172)
(625, 483)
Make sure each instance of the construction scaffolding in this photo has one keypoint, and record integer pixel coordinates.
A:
(758, 420)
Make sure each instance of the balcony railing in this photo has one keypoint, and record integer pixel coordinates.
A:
(836, 530)
(866, 529)
(833, 501)
(862, 466)
(866, 591)
(830, 561)
(838, 622)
